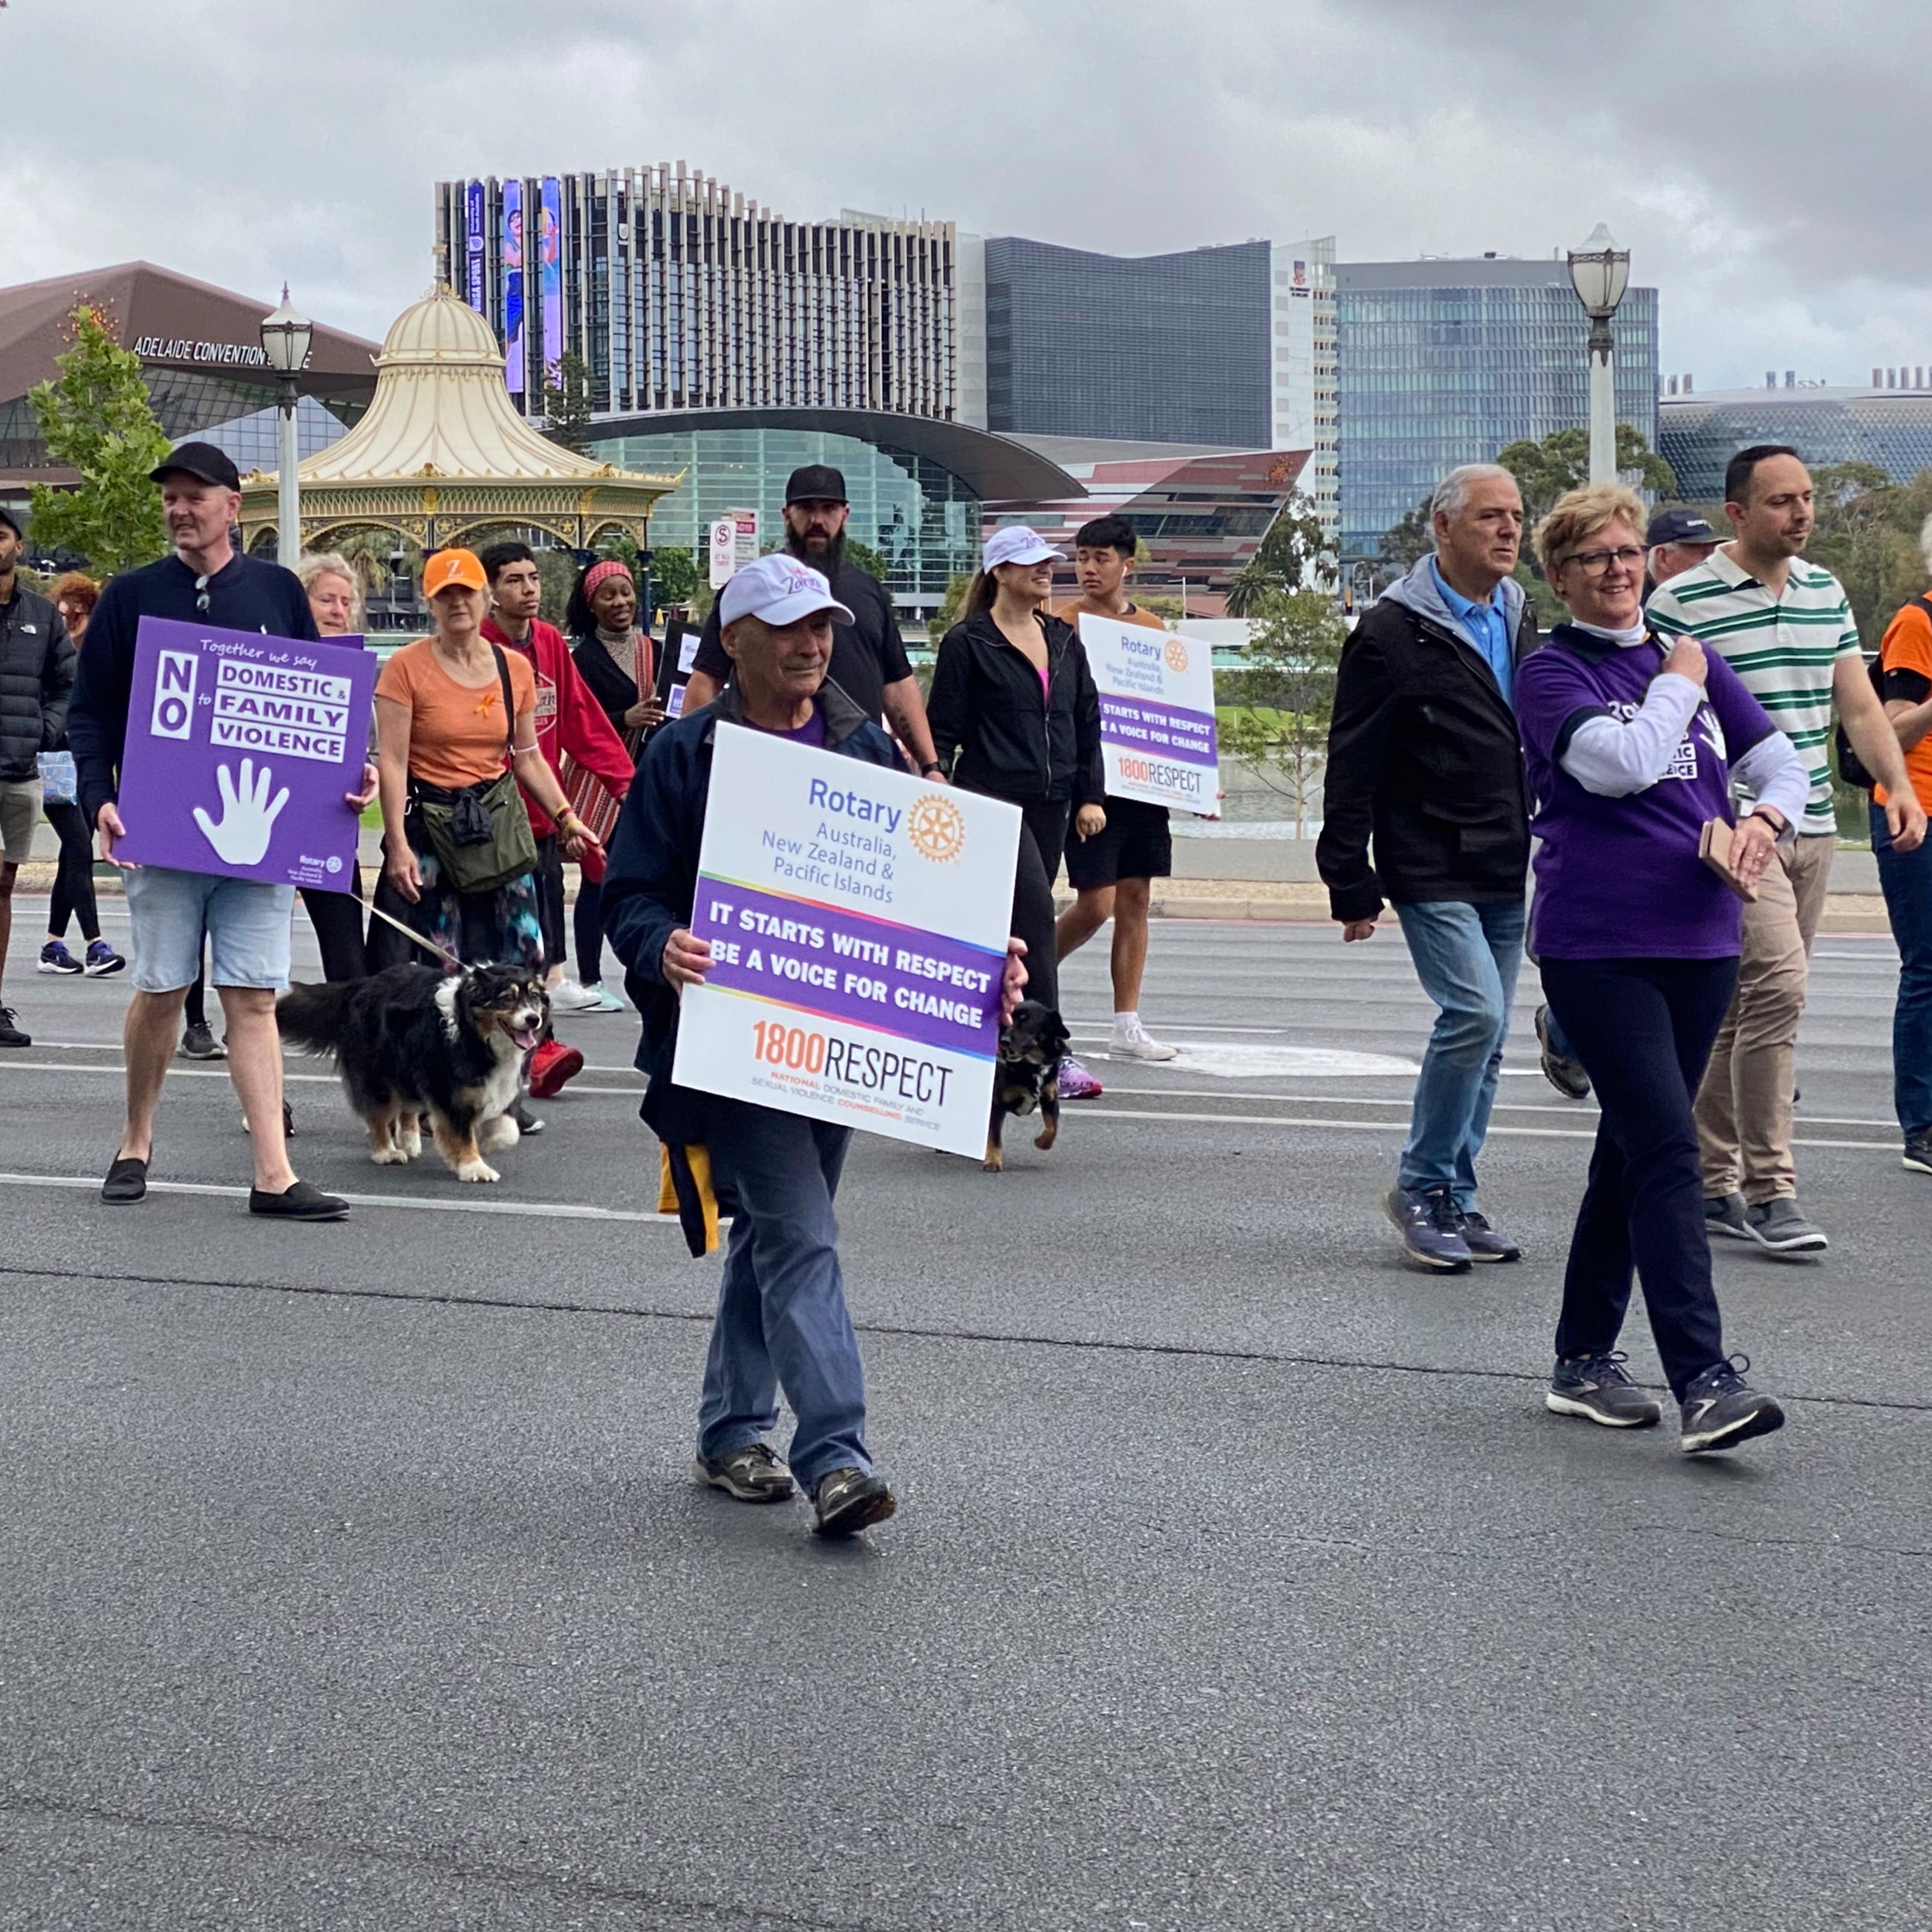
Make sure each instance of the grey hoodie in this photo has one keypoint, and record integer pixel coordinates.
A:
(1419, 592)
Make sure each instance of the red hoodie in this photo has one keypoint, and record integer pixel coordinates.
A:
(568, 718)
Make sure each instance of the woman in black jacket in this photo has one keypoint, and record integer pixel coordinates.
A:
(1014, 715)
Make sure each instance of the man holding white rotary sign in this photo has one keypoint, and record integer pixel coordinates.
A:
(798, 942)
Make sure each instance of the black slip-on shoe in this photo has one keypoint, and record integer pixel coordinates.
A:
(127, 1181)
(848, 1500)
(301, 1202)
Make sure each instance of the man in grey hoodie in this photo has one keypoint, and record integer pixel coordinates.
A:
(1423, 761)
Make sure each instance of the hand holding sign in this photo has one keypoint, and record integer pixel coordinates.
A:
(247, 820)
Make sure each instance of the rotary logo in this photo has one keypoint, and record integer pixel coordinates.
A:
(332, 864)
(937, 829)
(1176, 655)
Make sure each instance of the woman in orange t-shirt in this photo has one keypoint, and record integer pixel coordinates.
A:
(1905, 663)
(440, 724)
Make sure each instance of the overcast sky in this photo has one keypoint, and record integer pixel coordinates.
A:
(1769, 164)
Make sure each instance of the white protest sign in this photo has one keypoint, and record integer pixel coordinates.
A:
(1157, 734)
(724, 542)
(858, 920)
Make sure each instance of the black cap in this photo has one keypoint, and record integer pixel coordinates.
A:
(203, 460)
(816, 481)
(1679, 526)
(12, 522)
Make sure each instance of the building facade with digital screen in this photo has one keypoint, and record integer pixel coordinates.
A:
(679, 294)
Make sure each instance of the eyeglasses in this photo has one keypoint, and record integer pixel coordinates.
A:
(201, 596)
(1594, 562)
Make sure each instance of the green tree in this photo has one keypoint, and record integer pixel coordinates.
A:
(673, 575)
(1284, 697)
(1562, 461)
(94, 417)
(1411, 539)
(1867, 537)
(1293, 550)
(863, 556)
(565, 404)
(951, 607)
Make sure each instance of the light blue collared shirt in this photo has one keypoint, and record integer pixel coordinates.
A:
(1488, 626)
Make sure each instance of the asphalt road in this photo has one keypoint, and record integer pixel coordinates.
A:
(352, 1577)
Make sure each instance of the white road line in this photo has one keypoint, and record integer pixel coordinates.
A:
(556, 1211)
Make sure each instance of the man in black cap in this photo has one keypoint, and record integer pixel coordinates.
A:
(36, 674)
(1677, 540)
(206, 581)
(869, 663)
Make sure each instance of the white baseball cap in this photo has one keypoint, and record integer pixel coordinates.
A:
(781, 590)
(1017, 545)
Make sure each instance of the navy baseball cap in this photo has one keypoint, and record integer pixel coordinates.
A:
(12, 522)
(1679, 526)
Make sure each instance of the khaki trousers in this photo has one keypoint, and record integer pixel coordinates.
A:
(1744, 1107)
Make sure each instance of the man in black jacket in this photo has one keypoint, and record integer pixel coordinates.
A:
(1423, 760)
(781, 1319)
(36, 676)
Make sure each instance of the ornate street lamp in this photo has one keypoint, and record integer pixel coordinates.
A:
(1600, 273)
(285, 340)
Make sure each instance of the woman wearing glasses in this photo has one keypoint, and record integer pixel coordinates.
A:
(1632, 748)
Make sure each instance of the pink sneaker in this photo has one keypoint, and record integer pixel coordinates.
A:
(1076, 1083)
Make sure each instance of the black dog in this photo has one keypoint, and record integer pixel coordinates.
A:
(411, 1040)
(1032, 1045)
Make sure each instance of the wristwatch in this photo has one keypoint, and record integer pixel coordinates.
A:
(927, 771)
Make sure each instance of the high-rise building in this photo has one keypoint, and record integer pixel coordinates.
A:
(1447, 362)
(679, 294)
(1231, 348)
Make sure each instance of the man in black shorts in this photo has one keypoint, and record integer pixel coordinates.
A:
(1110, 871)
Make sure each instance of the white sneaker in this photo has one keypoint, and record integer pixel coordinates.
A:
(1134, 1043)
(568, 997)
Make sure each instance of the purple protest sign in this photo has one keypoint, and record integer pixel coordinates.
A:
(242, 750)
(1159, 730)
(921, 985)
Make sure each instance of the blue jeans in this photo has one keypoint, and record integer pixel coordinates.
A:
(1905, 878)
(1466, 957)
(782, 1320)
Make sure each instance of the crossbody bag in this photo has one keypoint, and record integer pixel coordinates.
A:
(479, 834)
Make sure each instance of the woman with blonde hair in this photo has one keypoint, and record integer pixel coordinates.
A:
(1634, 748)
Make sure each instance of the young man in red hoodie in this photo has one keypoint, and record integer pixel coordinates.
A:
(569, 719)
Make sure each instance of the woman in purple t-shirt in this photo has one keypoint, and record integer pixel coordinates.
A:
(1631, 748)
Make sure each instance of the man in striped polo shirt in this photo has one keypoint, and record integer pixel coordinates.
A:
(1785, 627)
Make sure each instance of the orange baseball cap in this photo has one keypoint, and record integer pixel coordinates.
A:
(453, 566)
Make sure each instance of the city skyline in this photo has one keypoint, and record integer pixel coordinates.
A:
(1799, 251)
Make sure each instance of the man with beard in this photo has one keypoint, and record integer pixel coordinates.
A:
(869, 663)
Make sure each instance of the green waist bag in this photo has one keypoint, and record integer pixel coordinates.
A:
(480, 836)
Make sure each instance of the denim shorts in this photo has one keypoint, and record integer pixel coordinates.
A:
(247, 925)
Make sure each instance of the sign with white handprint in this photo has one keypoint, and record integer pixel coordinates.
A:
(242, 750)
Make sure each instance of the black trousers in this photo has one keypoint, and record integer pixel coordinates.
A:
(337, 919)
(1042, 843)
(73, 882)
(586, 922)
(550, 901)
(1642, 1029)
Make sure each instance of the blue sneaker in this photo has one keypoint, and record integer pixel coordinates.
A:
(1430, 1225)
(55, 957)
(1720, 1412)
(1597, 1388)
(102, 959)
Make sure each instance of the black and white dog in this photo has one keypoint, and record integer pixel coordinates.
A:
(412, 1040)
(1032, 1045)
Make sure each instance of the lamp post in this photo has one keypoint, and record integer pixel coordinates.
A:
(285, 340)
(1600, 273)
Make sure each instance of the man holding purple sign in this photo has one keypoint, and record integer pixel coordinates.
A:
(205, 584)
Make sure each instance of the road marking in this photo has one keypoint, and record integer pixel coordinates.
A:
(553, 1210)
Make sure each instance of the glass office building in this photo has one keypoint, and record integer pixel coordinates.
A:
(1445, 362)
(1146, 348)
(1699, 434)
(921, 516)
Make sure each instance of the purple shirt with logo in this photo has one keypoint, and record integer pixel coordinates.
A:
(1620, 878)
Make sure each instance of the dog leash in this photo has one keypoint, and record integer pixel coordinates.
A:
(410, 932)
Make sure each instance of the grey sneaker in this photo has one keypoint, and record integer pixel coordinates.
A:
(1720, 1412)
(1430, 1225)
(753, 1473)
(1482, 1241)
(199, 1043)
(1564, 1071)
(1596, 1387)
(848, 1500)
(1776, 1224)
(1724, 1214)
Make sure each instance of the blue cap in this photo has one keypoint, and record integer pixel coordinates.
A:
(1679, 526)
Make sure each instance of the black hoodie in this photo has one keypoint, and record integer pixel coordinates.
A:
(997, 731)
